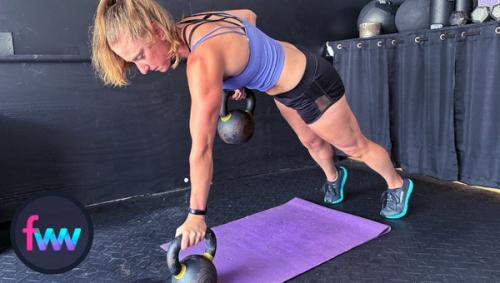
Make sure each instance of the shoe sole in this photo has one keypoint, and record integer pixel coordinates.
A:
(407, 199)
(341, 187)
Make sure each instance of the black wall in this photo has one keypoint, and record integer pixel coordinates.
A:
(60, 129)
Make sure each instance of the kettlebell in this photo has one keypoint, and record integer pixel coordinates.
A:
(193, 268)
(236, 126)
(413, 15)
(376, 12)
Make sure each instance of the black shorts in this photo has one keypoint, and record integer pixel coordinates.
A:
(319, 88)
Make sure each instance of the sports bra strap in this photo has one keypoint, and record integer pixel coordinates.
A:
(205, 19)
(211, 34)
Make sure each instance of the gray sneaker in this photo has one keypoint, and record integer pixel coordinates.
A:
(395, 202)
(334, 191)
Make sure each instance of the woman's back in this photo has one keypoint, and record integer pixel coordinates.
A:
(251, 58)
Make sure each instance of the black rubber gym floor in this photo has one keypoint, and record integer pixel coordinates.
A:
(451, 234)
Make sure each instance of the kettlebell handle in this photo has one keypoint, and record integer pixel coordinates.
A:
(250, 102)
(175, 247)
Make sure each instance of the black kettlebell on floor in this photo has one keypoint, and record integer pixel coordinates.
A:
(193, 268)
(236, 126)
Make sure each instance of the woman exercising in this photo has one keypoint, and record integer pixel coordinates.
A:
(225, 50)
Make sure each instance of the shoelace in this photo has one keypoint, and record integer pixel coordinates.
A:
(326, 189)
(390, 199)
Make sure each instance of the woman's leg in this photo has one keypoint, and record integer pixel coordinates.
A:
(339, 127)
(320, 150)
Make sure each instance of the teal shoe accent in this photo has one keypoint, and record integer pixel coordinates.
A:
(407, 199)
(342, 184)
(334, 191)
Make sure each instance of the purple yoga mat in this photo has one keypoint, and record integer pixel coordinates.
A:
(282, 242)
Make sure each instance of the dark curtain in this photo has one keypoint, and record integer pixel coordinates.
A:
(477, 105)
(430, 97)
(367, 92)
(421, 91)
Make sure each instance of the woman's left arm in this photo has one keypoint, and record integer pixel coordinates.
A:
(245, 14)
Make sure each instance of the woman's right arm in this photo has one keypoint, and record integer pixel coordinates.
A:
(205, 74)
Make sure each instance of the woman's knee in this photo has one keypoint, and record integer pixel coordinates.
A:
(358, 149)
(313, 143)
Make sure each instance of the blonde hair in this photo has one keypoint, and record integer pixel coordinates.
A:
(135, 17)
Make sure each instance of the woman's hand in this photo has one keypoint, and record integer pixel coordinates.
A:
(239, 94)
(192, 230)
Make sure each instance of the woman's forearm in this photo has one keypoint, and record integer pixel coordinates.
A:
(201, 170)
